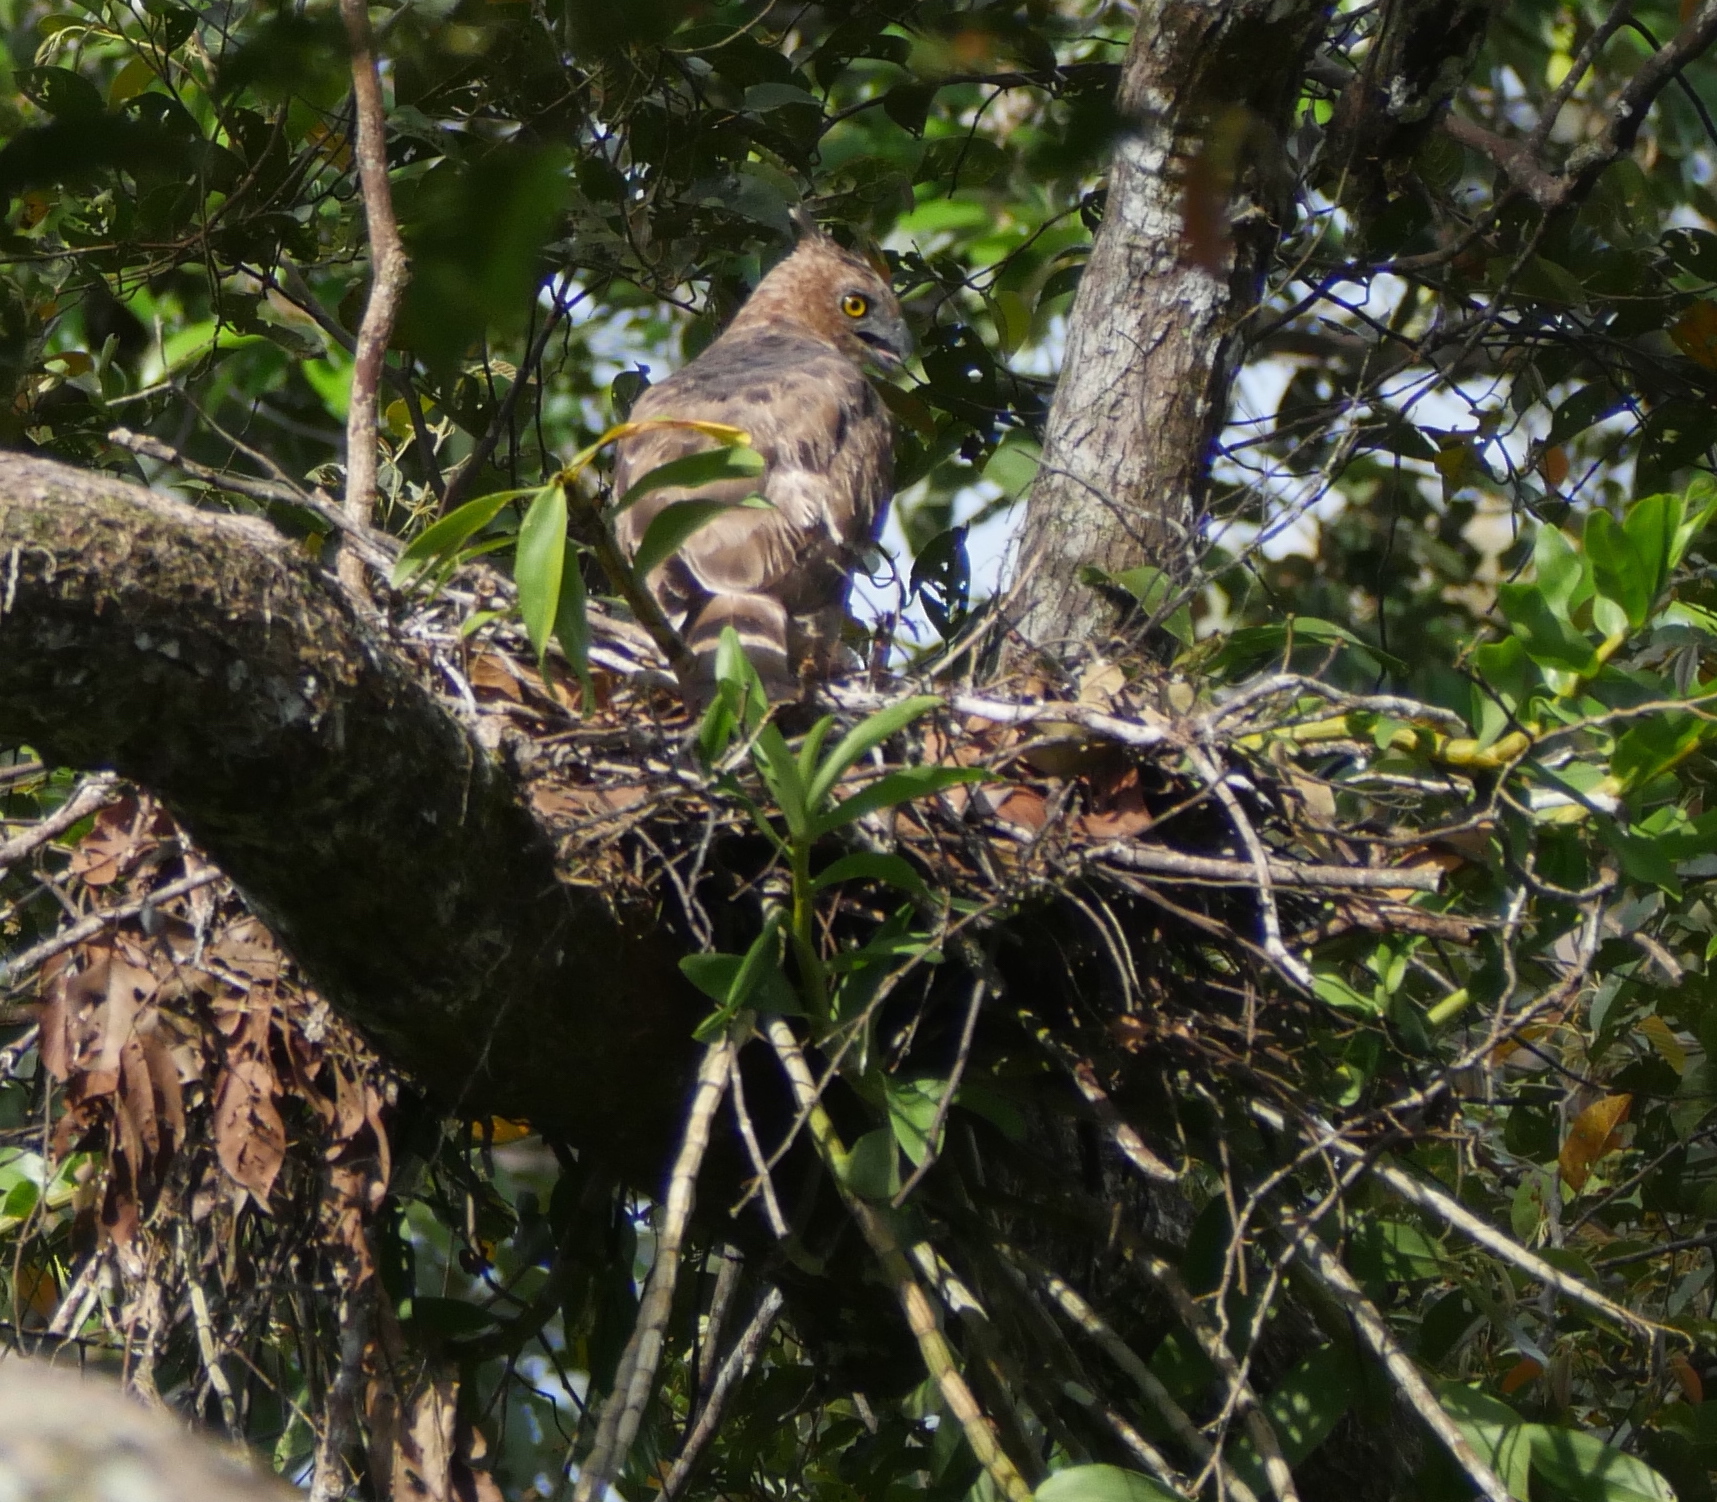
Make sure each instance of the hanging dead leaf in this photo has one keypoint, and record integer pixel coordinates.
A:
(35, 1293)
(1662, 1037)
(1687, 1379)
(1695, 333)
(424, 1455)
(1523, 1371)
(1591, 1136)
(90, 1013)
(1553, 465)
(169, 1097)
(248, 949)
(250, 1137)
(498, 1131)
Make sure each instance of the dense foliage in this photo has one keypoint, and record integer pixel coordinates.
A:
(1455, 610)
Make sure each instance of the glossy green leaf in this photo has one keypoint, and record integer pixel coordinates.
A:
(871, 1169)
(869, 865)
(1548, 637)
(912, 1108)
(670, 528)
(811, 748)
(1303, 1408)
(1653, 526)
(444, 538)
(1495, 1431)
(1102, 1483)
(1564, 574)
(1583, 1468)
(897, 787)
(1154, 589)
(735, 981)
(541, 564)
(862, 738)
(739, 703)
(692, 471)
(1506, 679)
(781, 771)
(1249, 643)
(572, 626)
(1619, 570)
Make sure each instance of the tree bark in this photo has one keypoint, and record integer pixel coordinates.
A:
(1198, 195)
(1422, 52)
(201, 656)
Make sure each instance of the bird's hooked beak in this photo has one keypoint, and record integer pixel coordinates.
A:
(891, 345)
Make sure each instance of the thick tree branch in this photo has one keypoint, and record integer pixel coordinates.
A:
(203, 657)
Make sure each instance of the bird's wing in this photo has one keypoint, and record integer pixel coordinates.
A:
(826, 443)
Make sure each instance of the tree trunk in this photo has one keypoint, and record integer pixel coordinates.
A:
(203, 657)
(1199, 192)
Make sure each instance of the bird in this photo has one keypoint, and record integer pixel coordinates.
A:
(790, 369)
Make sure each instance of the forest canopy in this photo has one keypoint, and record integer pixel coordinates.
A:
(1219, 1006)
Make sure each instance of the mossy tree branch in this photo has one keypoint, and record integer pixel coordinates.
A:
(204, 657)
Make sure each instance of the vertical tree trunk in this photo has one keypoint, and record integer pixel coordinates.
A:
(1199, 192)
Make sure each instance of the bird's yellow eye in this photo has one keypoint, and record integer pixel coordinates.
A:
(854, 305)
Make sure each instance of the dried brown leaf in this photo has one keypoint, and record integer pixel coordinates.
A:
(424, 1454)
(112, 845)
(248, 949)
(250, 1137)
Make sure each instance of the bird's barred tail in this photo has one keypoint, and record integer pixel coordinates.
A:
(762, 626)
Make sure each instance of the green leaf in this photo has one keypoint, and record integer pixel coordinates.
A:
(1548, 638)
(1332, 988)
(737, 981)
(1506, 680)
(994, 1107)
(693, 471)
(1654, 745)
(451, 1319)
(1495, 1431)
(572, 626)
(811, 748)
(1252, 642)
(444, 538)
(1586, 406)
(740, 700)
(540, 563)
(1653, 526)
(1303, 1408)
(1700, 505)
(872, 1168)
(1584, 1469)
(781, 772)
(912, 1107)
(1564, 575)
(863, 737)
(671, 526)
(1619, 570)
(897, 787)
(1153, 589)
(1101, 1483)
(865, 865)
